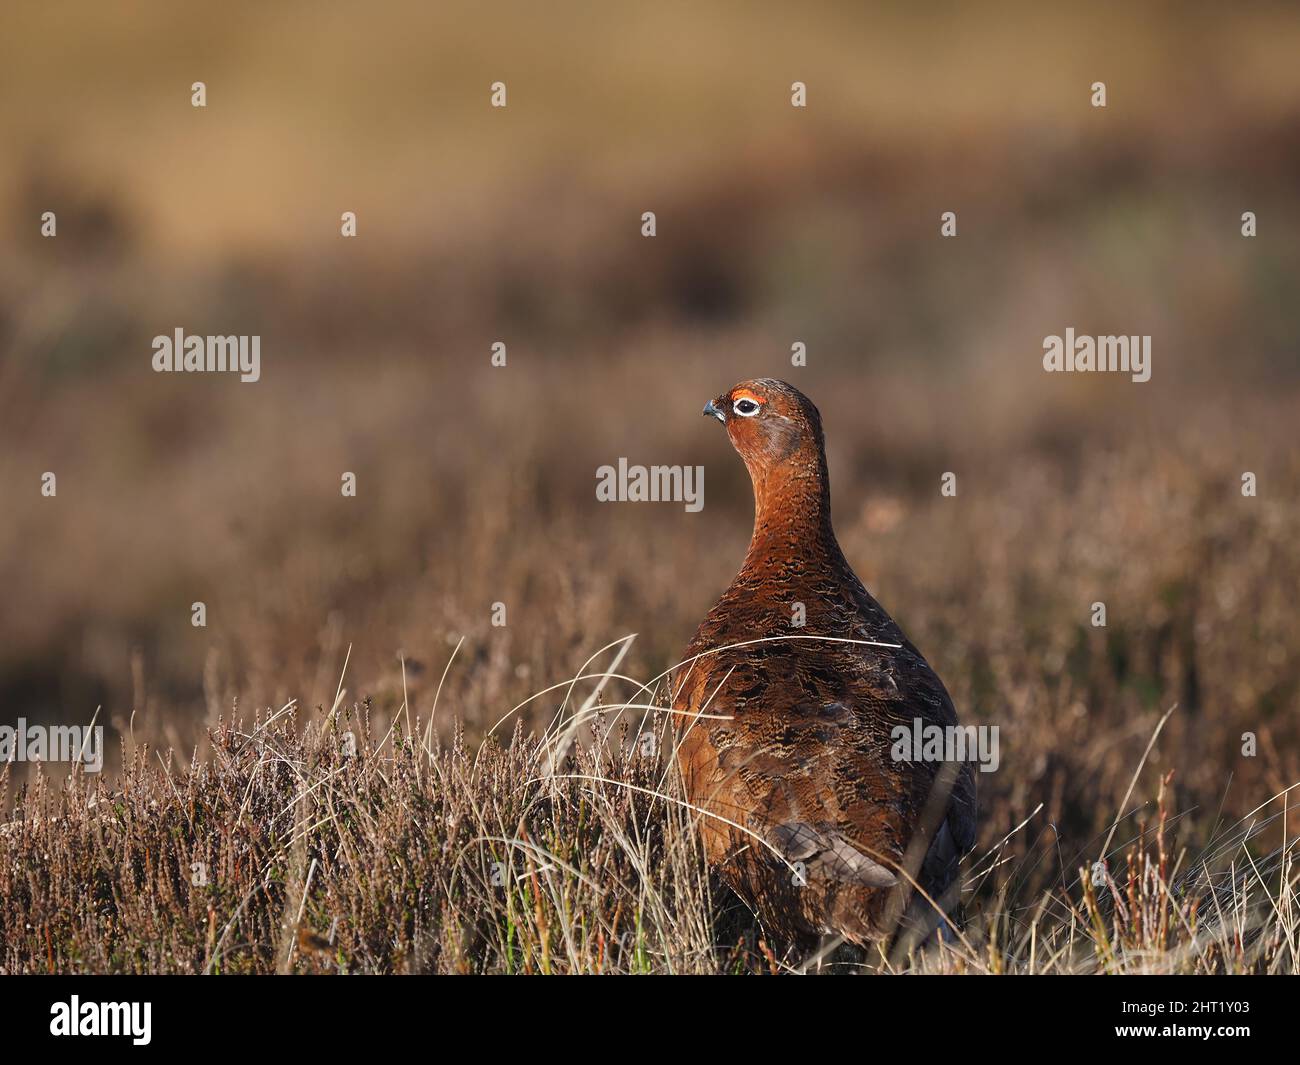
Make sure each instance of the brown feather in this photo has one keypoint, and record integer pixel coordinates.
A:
(807, 816)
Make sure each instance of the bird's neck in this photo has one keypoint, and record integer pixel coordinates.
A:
(792, 515)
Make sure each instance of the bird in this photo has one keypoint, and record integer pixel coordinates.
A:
(787, 700)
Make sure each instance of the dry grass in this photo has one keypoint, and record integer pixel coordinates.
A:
(326, 849)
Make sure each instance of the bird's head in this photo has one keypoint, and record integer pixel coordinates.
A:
(773, 426)
(778, 432)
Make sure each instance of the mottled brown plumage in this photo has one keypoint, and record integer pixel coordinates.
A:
(786, 742)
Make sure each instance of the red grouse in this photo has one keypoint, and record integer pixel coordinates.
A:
(788, 746)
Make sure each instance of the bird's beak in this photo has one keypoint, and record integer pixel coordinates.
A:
(711, 410)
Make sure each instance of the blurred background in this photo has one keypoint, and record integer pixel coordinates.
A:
(775, 225)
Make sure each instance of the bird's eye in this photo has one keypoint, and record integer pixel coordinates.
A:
(746, 408)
